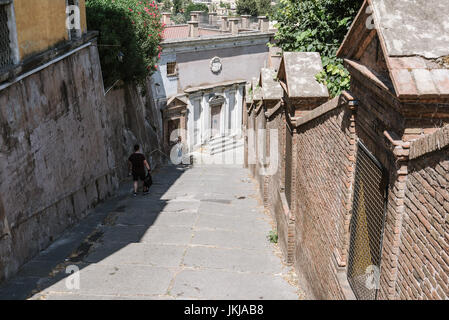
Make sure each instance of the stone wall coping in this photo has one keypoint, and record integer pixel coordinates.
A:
(228, 37)
(273, 110)
(35, 61)
(317, 112)
(259, 107)
(211, 86)
(433, 142)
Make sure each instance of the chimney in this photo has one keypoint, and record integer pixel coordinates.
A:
(224, 24)
(193, 29)
(245, 21)
(195, 15)
(234, 22)
(166, 18)
(264, 23)
(212, 18)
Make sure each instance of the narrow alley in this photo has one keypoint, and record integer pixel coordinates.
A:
(200, 234)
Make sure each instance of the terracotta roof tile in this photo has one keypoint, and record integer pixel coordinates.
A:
(416, 76)
(405, 85)
(176, 32)
(182, 32)
(424, 82)
(441, 79)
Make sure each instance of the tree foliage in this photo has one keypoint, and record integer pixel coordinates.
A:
(177, 6)
(225, 5)
(318, 26)
(247, 7)
(254, 7)
(194, 7)
(264, 7)
(130, 34)
(166, 5)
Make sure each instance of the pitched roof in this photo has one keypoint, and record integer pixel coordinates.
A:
(271, 89)
(418, 27)
(414, 37)
(298, 71)
(181, 98)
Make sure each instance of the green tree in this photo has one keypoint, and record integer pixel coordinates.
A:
(194, 7)
(264, 7)
(128, 43)
(166, 5)
(225, 5)
(247, 7)
(318, 26)
(177, 6)
(254, 7)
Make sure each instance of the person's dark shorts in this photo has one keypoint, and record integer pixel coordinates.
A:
(138, 176)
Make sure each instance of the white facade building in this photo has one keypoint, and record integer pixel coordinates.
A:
(201, 80)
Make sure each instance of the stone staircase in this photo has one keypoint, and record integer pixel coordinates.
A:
(220, 150)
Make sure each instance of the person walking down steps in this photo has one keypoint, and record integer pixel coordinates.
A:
(137, 164)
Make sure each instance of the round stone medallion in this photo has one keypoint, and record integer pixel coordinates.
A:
(215, 65)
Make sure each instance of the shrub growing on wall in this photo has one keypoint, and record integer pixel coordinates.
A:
(130, 34)
(318, 26)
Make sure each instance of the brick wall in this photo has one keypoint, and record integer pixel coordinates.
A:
(314, 228)
(274, 190)
(423, 266)
(260, 144)
(322, 147)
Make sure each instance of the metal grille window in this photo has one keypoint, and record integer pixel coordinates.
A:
(288, 165)
(6, 57)
(171, 69)
(367, 225)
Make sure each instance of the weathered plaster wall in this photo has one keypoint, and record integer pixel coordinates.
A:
(133, 118)
(54, 164)
(239, 63)
(63, 148)
(41, 24)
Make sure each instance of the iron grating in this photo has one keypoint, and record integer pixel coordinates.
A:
(367, 225)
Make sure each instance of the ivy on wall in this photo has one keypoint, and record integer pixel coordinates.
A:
(129, 39)
(318, 26)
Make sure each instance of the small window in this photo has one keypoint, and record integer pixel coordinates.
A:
(171, 69)
(6, 52)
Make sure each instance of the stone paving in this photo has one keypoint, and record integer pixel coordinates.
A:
(200, 234)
